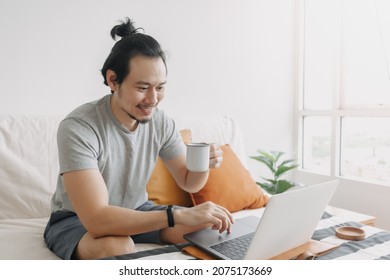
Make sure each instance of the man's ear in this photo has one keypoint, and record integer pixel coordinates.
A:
(111, 80)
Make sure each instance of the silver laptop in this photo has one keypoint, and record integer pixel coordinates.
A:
(289, 220)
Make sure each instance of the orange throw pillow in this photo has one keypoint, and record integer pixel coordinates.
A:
(231, 186)
(162, 187)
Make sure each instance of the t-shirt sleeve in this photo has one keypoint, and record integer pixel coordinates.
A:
(173, 144)
(78, 146)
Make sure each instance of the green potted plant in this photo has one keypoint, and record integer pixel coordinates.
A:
(272, 160)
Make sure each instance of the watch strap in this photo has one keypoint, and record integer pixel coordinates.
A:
(171, 221)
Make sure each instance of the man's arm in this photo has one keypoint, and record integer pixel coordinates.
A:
(88, 194)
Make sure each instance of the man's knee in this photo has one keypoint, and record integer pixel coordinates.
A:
(118, 245)
(108, 246)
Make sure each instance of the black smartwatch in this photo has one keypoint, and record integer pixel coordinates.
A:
(171, 221)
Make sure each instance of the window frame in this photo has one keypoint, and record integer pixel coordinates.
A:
(336, 113)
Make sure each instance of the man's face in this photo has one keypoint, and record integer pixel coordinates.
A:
(136, 98)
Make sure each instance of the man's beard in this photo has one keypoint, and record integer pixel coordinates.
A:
(140, 121)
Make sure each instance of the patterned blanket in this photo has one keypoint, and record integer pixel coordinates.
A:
(375, 246)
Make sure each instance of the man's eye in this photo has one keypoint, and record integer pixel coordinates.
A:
(143, 88)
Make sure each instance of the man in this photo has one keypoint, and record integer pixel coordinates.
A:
(107, 151)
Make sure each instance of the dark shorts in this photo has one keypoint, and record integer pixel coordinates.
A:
(64, 231)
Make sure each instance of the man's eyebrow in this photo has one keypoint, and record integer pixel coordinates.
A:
(148, 84)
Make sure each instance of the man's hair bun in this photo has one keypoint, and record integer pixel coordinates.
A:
(126, 28)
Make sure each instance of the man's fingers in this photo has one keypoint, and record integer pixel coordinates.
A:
(223, 219)
(215, 162)
(215, 151)
(216, 154)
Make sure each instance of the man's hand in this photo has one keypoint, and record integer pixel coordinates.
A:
(215, 155)
(218, 217)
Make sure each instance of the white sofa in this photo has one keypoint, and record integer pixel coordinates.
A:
(29, 169)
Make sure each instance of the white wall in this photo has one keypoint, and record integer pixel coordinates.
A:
(225, 57)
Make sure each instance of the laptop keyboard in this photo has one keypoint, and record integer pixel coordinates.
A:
(235, 248)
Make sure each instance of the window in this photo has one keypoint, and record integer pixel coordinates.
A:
(365, 148)
(344, 88)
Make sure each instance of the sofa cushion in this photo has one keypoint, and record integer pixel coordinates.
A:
(231, 186)
(28, 165)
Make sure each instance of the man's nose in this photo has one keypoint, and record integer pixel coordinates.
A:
(151, 96)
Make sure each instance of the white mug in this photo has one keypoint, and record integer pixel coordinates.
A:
(198, 157)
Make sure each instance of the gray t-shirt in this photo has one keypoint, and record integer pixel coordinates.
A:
(91, 137)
